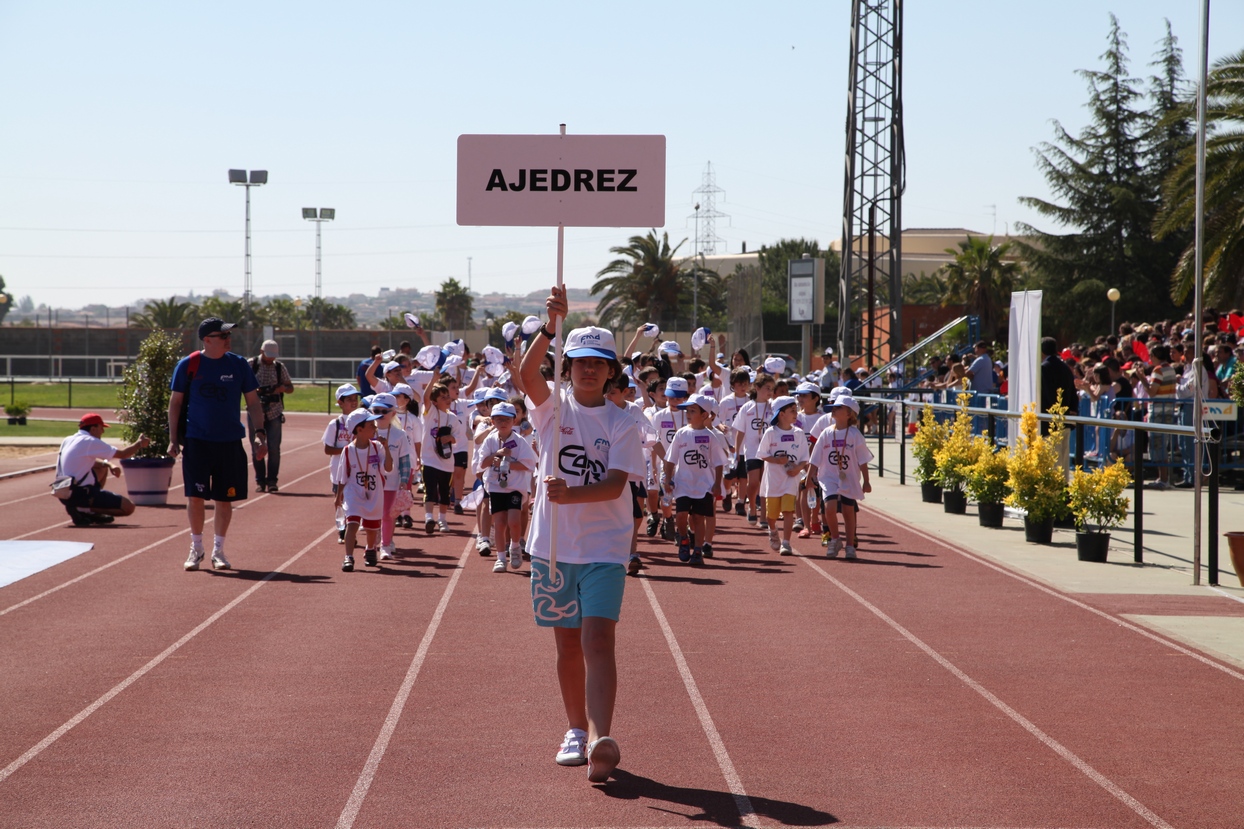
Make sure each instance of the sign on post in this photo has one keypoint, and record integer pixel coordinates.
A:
(806, 291)
(567, 180)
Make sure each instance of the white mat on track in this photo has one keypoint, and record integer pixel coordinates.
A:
(19, 559)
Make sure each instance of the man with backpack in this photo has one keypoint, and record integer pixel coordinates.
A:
(211, 384)
(274, 384)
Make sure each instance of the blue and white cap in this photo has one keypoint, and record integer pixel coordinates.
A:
(430, 357)
(402, 388)
(670, 347)
(392, 366)
(808, 388)
(591, 342)
(780, 403)
(676, 387)
(365, 401)
(478, 396)
(704, 401)
(508, 331)
(775, 365)
(358, 417)
(495, 393)
(839, 391)
(384, 400)
(346, 390)
(849, 402)
(504, 410)
(699, 337)
(652, 330)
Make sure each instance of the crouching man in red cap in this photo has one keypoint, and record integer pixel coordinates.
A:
(84, 456)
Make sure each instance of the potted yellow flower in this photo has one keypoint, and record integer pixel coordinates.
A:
(1097, 498)
(927, 440)
(1036, 479)
(955, 457)
(987, 483)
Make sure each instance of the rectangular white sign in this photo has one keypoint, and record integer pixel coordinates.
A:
(569, 180)
(1219, 410)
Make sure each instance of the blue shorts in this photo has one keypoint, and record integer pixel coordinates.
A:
(593, 589)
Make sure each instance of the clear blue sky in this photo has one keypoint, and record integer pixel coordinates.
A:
(121, 119)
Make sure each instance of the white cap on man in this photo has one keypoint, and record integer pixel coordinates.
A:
(270, 349)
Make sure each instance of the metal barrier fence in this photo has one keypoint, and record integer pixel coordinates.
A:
(1212, 440)
(71, 383)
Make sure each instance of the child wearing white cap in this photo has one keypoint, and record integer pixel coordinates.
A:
(505, 462)
(336, 437)
(409, 421)
(391, 434)
(784, 450)
(810, 419)
(736, 473)
(749, 424)
(693, 464)
(585, 465)
(666, 422)
(619, 390)
(443, 431)
(365, 464)
(840, 465)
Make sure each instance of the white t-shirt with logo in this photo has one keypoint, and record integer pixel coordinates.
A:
(727, 409)
(647, 435)
(593, 441)
(336, 436)
(518, 480)
(752, 420)
(839, 456)
(412, 427)
(362, 473)
(789, 443)
(432, 422)
(696, 455)
(666, 423)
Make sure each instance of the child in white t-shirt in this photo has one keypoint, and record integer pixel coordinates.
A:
(840, 464)
(505, 461)
(442, 432)
(585, 463)
(409, 421)
(693, 464)
(620, 391)
(749, 424)
(360, 484)
(784, 450)
(336, 438)
(391, 434)
(735, 476)
(808, 504)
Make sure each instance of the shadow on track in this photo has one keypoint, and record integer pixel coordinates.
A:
(714, 807)
(259, 575)
(878, 562)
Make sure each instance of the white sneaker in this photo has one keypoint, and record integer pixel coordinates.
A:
(192, 561)
(785, 549)
(442, 526)
(386, 551)
(773, 541)
(516, 558)
(835, 547)
(573, 750)
(499, 565)
(483, 545)
(850, 554)
(219, 562)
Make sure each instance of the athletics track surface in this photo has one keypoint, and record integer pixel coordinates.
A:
(918, 687)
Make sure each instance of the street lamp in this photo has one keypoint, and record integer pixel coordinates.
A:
(1112, 295)
(256, 178)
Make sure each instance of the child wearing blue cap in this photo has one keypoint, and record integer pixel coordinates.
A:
(505, 463)
(360, 479)
(784, 450)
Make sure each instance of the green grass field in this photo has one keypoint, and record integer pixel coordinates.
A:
(38, 429)
(103, 397)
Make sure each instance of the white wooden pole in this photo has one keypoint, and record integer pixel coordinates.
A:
(557, 394)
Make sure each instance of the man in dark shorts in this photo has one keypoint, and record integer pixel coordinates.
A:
(84, 456)
(213, 464)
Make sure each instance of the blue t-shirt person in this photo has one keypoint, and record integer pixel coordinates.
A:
(215, 396)
(360, 374)
(982, 375)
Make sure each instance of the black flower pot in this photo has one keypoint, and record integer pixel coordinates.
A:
(1092, 546)
(1039, 532)
(955, 501)
(930, 493)
(990, 515)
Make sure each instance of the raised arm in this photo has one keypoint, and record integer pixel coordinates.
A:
(533, 381)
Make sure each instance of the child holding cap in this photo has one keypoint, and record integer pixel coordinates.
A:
(505, 462)
(784, 450)
(584, 470)
(840, 464)
(693, 464)
(360, 479)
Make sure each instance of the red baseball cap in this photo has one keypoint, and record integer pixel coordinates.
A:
(91, 419)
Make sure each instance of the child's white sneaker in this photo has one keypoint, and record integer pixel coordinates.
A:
(773, 540)
(387, 551)
(835, 547)
(499, 565)
(785, 549)
(850, 555)
(516, 558)
(573, 750)
(442, 526)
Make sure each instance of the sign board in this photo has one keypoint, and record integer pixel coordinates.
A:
(805, 291)
(568, 180)
(1220, 410)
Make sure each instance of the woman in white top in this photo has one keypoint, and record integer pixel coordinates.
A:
(585, 463)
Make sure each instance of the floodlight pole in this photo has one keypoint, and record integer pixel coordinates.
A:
(247, 180)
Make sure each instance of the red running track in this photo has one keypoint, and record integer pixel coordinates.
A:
(917, 687)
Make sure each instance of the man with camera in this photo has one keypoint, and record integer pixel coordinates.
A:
(274, 384)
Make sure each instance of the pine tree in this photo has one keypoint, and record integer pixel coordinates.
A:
(1107, 200)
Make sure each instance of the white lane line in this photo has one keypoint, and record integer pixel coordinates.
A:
(1058, 748)
(1231, 596)
(747, 814)
(1044, 589)
(128, 556)
(38, 748)
(351, 811)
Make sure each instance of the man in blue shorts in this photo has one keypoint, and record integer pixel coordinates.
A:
(212, 384)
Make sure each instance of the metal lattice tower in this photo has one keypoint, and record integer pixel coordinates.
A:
(875, 167)
(706, 237)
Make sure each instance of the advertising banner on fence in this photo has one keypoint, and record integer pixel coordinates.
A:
(569, 180)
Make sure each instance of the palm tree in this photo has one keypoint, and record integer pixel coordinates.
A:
(165, 314)
(325, 314)
(1224, 192)
(285, 314)
(647, 284)
(454, 304)
(229, 310)
(979, 279)
(925, 289)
